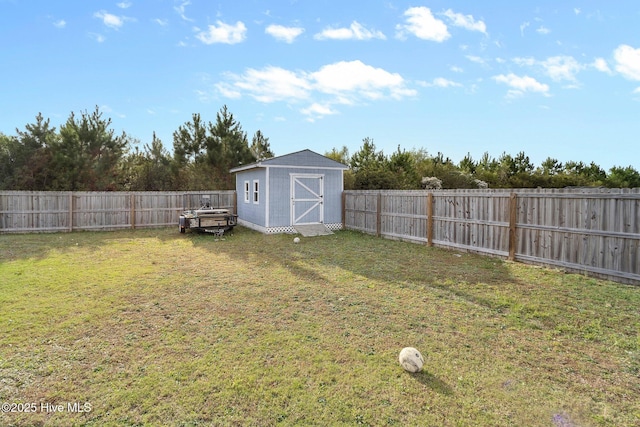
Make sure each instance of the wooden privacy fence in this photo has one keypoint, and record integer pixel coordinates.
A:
(592, 231)
(46, 211)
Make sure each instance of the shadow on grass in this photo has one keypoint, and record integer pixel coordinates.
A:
(434, 383)
(462, 275)
(401, 263)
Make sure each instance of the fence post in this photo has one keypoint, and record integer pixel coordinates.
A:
(132, 202)
(235, 202)
(430, 219)
(70, 211)
(379, 215)
(513, 204)
(344, 210)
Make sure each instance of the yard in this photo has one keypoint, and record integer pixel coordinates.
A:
(151, 327)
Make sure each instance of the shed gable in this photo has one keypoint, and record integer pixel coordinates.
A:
(304, 158)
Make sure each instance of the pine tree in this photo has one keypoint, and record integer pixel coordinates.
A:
(87, 154)
(260, 147)
(228, 147)
(30, 156)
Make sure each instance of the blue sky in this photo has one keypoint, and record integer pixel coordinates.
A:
(552, 79)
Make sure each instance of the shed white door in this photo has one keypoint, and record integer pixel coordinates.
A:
(307, 199)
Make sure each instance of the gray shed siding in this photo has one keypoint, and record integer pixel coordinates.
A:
(250, 211)
(280, 186)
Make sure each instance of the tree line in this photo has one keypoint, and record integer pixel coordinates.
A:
(371, 169)
(85, 154)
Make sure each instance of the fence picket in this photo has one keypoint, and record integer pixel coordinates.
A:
(48, 211)
(588, 230)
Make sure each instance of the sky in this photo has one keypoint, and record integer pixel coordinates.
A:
(549, 78)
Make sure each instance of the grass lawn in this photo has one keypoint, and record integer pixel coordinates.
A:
(151, 327)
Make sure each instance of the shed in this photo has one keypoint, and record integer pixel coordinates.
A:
(302, 188)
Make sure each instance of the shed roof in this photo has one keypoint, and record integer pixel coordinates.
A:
(304, 158)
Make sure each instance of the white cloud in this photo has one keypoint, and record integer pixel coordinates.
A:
(204, 95)
(356, 31)
(124, 5)
(562, 68)
(340, 83)
(559, 68)
(465, 21)
(600, 64)
(161, 22)
(576, 10)
(528, 61)
(422, 24)
(356, 79)
(445, 83)
(286, 34)
(228, 91)
(223, 33)
(627, 61)
(523, 27)
(269, 85)
(97, 37)
(520, 85)
(181, 10)
(60, 23)
(476, 59)
(317, 111)
(109, 19)
(440, 82)
(543, 30)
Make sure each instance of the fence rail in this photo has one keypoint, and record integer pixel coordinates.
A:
(592, 231)
(47, 211)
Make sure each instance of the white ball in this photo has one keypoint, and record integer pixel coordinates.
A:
(296, 240)
(411, 359)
